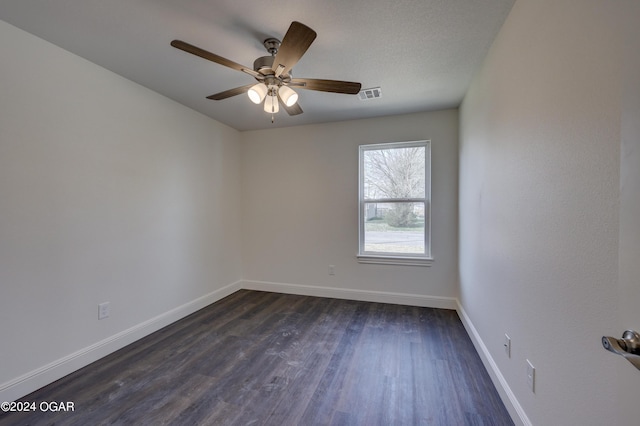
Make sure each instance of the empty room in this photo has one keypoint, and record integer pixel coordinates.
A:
(319, 212)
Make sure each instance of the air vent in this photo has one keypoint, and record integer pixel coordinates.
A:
(372, 93)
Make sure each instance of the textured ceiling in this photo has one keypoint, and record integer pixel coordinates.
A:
(422, 53)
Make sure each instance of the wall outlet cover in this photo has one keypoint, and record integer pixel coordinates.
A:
(103, 310)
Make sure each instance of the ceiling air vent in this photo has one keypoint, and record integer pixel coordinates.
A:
(372, 93)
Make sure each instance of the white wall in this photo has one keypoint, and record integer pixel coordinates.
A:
(539, 205)
(300, 210)
(629, 251)
(108, 192)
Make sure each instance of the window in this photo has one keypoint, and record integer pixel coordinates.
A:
(395, 203)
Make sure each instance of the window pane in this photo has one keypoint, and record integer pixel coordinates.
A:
(394, 228)
(394, 173)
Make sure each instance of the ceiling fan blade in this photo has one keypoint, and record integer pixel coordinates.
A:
(294, 109)
(194, 50)
(231, 92)
(334, 86)
(295, 42)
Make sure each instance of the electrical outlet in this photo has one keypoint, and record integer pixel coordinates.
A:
(531, 376)
(103, 310)
(507, 345)
(332, 269)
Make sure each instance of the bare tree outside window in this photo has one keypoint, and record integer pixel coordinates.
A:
(395, 173)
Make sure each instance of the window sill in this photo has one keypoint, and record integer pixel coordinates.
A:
(395, 260)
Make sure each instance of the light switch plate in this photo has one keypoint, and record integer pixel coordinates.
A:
(531, 376)
(507, 345)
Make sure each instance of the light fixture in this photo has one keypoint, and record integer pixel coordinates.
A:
(288, 95)
(271, 104)
(257, 93)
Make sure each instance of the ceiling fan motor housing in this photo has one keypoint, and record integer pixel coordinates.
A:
(263, 65)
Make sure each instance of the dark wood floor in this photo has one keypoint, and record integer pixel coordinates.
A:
(257, 358)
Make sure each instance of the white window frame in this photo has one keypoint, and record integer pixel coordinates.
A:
(388, 258)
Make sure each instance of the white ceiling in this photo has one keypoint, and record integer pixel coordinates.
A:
(422, 53)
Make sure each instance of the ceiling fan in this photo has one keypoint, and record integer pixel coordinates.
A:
(273, 73)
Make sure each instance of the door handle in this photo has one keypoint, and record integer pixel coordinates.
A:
(628, 346)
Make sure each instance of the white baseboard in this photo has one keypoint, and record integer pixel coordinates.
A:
(353, 294)
(33, 380)
(508, 398)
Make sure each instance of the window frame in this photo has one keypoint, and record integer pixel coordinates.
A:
(389, 258)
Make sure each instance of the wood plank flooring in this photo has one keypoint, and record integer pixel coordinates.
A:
(258, 358)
